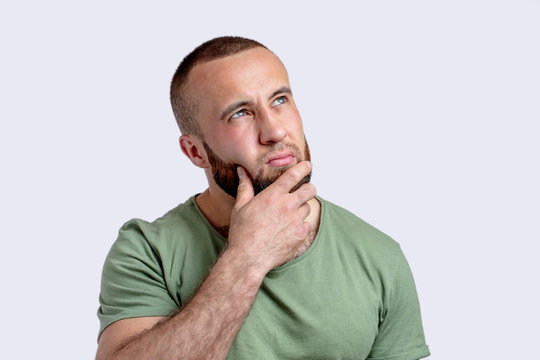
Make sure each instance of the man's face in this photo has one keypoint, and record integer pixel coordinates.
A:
(248, 117)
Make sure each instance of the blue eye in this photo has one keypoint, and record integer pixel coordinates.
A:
(238, 114)
(280, 100)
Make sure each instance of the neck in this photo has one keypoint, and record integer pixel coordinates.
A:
(216, 206)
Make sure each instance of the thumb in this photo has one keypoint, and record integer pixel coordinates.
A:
(245, 188)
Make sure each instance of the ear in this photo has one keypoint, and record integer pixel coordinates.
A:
(193, 148)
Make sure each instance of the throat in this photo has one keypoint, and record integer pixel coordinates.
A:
(223, 230)
(218, 213)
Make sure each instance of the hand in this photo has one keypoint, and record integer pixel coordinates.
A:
(270, 227)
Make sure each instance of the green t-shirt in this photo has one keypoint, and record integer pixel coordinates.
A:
(351, 295)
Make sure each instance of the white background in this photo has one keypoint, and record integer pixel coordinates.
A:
(422, 116)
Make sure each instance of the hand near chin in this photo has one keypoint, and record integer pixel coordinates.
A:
(270, 227)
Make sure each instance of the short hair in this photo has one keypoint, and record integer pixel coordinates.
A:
(185, 109)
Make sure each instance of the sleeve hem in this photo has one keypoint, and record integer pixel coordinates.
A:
(413, 355)
(132, 315)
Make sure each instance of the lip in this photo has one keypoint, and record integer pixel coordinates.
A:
(281, 158)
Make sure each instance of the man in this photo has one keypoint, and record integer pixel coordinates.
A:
(257, 266)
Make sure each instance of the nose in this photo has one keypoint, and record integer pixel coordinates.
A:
(271, 128)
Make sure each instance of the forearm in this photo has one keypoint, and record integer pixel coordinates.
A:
(207, 326)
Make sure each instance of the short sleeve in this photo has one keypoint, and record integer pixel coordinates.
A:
(132, 282)
(400, 336)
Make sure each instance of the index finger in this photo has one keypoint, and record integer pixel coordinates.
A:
(290, 178)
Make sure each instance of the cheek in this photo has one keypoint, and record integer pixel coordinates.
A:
(296, 130)
(236, 146)
(294, 120)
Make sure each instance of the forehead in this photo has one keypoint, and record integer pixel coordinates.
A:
(243, 76)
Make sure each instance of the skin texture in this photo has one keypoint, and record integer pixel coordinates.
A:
(265, 230)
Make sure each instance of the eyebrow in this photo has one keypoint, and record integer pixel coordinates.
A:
(281, 90)
(230, 108)
(234, 106)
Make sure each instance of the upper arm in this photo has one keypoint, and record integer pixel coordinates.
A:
(133, 284)
(120, 332)
(401, 335)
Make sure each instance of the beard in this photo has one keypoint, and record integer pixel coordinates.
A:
(226, 177)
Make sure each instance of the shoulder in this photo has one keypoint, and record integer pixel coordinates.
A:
(178, 217)
(359, 242)
(345, 224)
(138, 278)
(180, 238)
(177, 227)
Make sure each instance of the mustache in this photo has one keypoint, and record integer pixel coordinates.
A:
(264, 158)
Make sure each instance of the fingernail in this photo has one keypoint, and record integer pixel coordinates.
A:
(240, 172)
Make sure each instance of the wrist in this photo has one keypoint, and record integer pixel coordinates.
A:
(252, 272)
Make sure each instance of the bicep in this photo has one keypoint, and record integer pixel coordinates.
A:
(133, 284)
(120, 332)
(401, 333)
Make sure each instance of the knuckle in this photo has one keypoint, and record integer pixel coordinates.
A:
(303, 214)
(301, 230)
(309, 188)
(272, 197)
(300, 170)
(306, 191)
(294, 174)
(289, 206)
